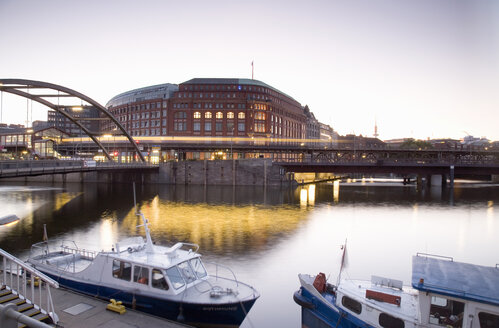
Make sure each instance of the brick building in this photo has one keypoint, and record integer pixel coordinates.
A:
(234, 107)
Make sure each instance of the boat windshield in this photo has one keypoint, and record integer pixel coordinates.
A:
(198, 267)
(175, 277)
(187, 272)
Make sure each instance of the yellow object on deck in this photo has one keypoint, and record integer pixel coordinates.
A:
(116, 306)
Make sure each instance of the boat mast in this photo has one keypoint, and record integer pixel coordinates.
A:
(145, 224)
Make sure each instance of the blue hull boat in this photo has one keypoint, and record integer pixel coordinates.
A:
(444, 293)
(169, 282)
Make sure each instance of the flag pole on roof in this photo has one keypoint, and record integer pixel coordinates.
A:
(252, 68)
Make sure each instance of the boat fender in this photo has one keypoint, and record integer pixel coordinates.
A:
(302, 301)
(130, 250)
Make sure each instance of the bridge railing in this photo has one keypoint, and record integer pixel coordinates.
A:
(30, 167)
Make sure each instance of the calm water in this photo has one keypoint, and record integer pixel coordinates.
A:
(269, 236)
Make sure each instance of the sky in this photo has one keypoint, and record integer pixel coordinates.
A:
(420, 69)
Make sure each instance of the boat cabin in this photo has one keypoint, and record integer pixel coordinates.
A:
(454, 294)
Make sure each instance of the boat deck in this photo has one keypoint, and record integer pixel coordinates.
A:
(80, 311)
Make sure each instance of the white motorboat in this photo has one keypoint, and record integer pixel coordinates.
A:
(444, 293)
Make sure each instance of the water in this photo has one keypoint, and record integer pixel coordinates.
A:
(269, 236)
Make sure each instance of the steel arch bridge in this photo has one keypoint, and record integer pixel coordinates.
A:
(45, 94)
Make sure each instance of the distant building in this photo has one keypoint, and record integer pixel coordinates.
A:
(313, 125)
(238, 107)
(142, 112)
(351, 141)
(59, 121)
(17, 141)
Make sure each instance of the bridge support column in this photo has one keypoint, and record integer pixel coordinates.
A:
(436, 180)
(419, 182)
(451, 176)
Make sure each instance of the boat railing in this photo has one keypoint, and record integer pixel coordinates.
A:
(23, 280)
(85, 253)
(218, 275)
(192, 245)
(434, 255)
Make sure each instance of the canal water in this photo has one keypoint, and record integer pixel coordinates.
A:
(268, 236)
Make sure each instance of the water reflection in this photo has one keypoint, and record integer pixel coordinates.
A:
(269, 235)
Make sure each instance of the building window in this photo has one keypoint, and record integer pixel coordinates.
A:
(230, 127)
(207, 126)
(207, 115)
(219, 115)
(241, 127)
(180, 121)
(197, 115)
(240, 115)
(230, 115)
(259, 127)
(197, 126)
(259, 116)
(218, 126)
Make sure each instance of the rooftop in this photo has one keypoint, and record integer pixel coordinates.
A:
(233, 82)
(446, 277)
(157, 91)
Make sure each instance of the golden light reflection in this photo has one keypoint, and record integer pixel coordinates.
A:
(10, 224)
(311, 194)
(63, 198)
(107, 233)
(214, 227)
(336, 191)
(303, 197)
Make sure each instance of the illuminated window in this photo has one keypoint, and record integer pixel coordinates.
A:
(219, 115)
(240, 115)
(230, 115)
(197, 115)
(207, 115)
(260, 116)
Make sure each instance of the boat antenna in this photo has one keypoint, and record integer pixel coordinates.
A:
(145, 224)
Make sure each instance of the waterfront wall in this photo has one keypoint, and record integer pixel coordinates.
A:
(240, 172)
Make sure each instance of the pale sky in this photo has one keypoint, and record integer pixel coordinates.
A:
(422, 68)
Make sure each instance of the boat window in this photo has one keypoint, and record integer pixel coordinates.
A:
(175, 277)
(187, 272)
(141, 274)
(351, 304)
(387, 321)
(488, 320)
(446, 312)
(198, 267)
(122, 270)
(158, 279)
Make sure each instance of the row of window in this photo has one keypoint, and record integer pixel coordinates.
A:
(218, 115)
(443, 312)
(133, 108)
(147, 132)
(184, 273)
(209, 106)
(208, 126)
